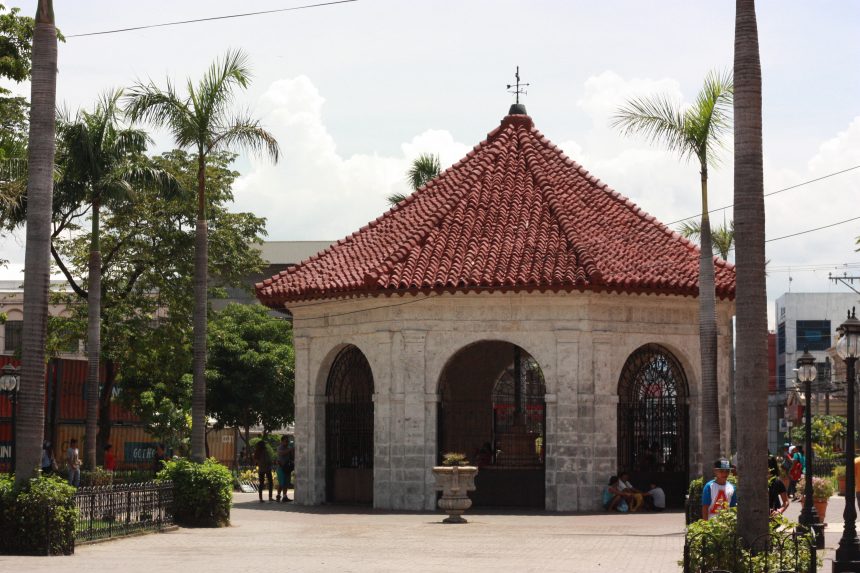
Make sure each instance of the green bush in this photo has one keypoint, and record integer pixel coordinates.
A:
(714, 545)
(39, 519)
(202, 493)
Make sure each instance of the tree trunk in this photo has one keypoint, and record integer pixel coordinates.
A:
(105, 422)
(198, 396)
(751, 294)
(711, 435)
(40, 151)
(94, 344)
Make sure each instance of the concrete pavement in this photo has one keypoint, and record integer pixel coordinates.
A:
(293, 538)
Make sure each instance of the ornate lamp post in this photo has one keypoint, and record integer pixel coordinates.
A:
(847, 557)
(9, 388)
(809, 518)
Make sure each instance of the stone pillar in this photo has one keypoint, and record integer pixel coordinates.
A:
(384, 383)
(600, 411)
(306, 432)
(562, 430)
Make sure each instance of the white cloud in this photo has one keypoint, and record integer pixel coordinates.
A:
(314, 192)
(606, 92)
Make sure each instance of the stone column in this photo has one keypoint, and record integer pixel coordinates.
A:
(599, 411)
(306, 432)
(409, 473)
(562, 431)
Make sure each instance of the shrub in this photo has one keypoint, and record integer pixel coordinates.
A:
(97, 476)
(454, 459)
(202, 493)
(822, 488)
(714, 545)
(39, 519)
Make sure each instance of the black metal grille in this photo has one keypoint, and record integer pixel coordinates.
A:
(519, 435)
(122, 509)
(349, 412)
(652, 413)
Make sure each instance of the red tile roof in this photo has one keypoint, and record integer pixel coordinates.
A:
(514, 214)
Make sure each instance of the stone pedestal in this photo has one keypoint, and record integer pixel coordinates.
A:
(454, 482)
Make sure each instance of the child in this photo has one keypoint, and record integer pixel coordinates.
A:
(657, 499)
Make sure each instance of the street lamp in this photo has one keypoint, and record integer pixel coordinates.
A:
(809, 518)
(9, 388)
(848, 348)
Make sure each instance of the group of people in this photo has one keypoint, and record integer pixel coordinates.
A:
(283, 464)
(72, 460)
(620, 495)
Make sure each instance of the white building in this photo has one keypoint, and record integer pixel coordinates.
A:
(515, 309)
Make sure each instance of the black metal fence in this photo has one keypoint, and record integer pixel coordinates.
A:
(791, 551)
(123, 509)
(824, 466)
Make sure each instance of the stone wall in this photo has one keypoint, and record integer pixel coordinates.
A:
(580, 340)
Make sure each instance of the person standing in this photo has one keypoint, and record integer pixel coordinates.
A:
(110, 458)
(264, 467)
(73, 463)
(49, 463)
(284, 469)
(776, 492)
(718, 494)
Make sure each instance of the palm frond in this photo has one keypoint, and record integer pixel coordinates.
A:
(150, 104)
(722, 236)
(424, 168)
(215, 91)
(690, 230)
(395, 198)
(245, 132)
(710, 117)
(659, 119)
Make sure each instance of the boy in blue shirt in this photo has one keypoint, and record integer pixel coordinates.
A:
(718, 493)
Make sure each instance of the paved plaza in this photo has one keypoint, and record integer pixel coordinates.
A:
(278, 537)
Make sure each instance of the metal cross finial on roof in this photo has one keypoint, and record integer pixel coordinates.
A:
(518, 87)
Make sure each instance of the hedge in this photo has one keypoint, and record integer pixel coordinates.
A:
(38, 519)
(202, 493)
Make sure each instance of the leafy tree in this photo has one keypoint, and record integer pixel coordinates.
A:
(203, 122)
(16, 38)
(694, 132)
(40, 152)
(101, 162)
(147, 294)
(828, 434)
(424, 168)
(250, 370)
(751, 295)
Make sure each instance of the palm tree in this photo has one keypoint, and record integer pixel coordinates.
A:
(203, 122)
(101, 162)
(424, 168)
(723, 237)
(751, 295)
(694, 132)
(40, 165)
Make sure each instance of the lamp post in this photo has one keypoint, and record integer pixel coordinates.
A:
(9, 388)
(809, 518)
(848, 348)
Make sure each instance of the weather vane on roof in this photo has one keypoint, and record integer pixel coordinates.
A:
(518, 87)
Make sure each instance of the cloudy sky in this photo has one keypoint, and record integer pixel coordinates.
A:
(353, 92)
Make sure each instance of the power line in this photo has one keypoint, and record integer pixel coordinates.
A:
(209, 19)
(784, 189)
(812, 230)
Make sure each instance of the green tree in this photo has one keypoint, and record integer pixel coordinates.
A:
(722, 237)
(40, 152)
(694, 133)
(203, 122)
(424, 168)
(147, 286)
(101, 163)
(250, 370)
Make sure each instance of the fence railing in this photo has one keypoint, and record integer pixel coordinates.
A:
(824, 466)
(123, 509)
(791, 551)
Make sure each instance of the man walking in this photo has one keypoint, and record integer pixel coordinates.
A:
(73, 463)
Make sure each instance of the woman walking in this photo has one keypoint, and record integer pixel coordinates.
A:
(264, 467)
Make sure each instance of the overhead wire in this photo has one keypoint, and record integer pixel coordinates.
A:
(210, 19)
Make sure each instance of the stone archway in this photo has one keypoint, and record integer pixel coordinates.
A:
(653, 421)
(349, 429)
(498, 423)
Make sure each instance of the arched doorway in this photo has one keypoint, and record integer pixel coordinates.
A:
(653, 421)
(349, 429)
(493, 409)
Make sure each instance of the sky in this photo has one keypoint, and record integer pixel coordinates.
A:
(353, 92)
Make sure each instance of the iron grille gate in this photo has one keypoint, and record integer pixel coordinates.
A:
(653, 426)
(349, 428)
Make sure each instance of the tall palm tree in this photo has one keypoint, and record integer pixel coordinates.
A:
(722, 237)
(202, 120)
(101, 162)
(751, 294)
(694, 132)
(424, 168)
(40, 165)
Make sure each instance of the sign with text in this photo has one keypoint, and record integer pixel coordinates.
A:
(6, 451)
(139, 452)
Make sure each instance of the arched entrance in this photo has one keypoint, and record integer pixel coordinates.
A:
(493, 409)
(349, 429)
(653, 421)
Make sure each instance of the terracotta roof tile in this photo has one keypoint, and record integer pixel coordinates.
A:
(515, 213)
